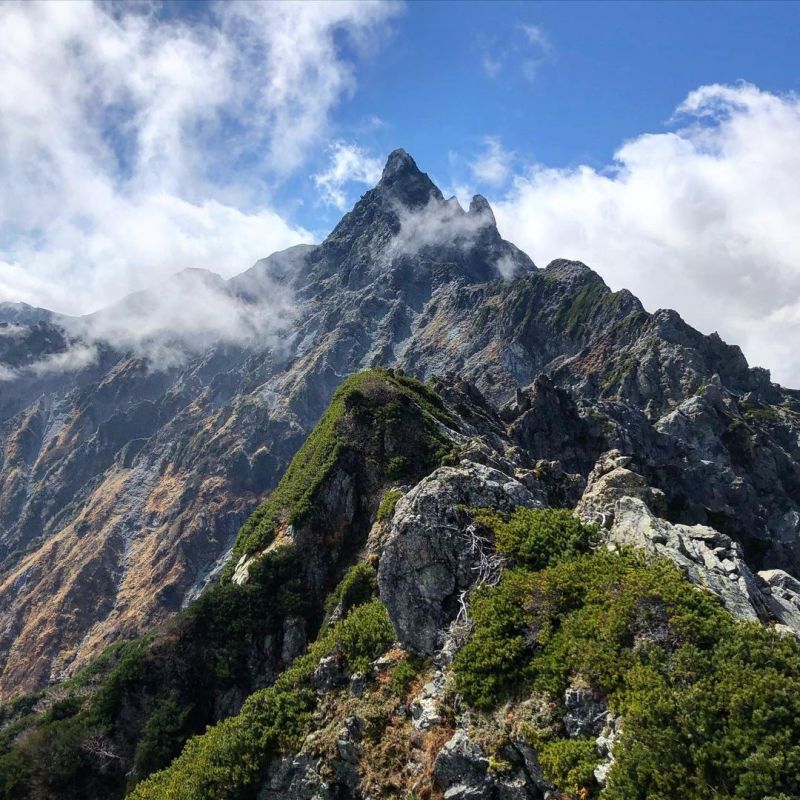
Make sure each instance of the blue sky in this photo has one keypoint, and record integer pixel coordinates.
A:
(609, 71)
(657, 142)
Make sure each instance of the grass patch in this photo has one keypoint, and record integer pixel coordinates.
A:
(293, 498)
(388, 503)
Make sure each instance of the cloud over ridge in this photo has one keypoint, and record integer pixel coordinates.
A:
(702, 219)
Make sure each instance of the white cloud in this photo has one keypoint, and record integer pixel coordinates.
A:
(348, 164)
(186, 314)
(137, 243)
(440, 224)
(135, 146)
(493, 166)
(536, 36)
(73, 359)
(11, 331)
(703, 219)
(540, 51)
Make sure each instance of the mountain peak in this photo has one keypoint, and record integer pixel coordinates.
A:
(399, 162)
(403, 180)
(479, 206)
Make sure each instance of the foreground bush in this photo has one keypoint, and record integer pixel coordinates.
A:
(539, 537)
(709, 705)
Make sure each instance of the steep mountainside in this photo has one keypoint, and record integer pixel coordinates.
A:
(123, 483)
(410, 615)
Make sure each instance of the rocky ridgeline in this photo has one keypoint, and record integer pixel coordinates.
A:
(326, 656)
(122, 485)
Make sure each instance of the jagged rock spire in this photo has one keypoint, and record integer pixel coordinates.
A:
(479, 205)
(402, 180)
(398, 163)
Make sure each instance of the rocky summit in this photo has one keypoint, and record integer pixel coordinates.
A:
(428, 521)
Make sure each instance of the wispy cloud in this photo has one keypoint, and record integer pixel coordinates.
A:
(491, 65)
(493, 165)
(186, 314)
(536, 36)
(348, 164)
(136, 144)
(702, 219)
(540, 50)
(524, 51)
(440, 224)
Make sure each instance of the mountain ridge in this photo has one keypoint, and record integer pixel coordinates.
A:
(134, 481)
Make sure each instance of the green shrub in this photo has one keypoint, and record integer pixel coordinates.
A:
(363, 634)
(397, 467)
(163, 736)
(404, 674)
(358, 586)
(723, 716)
(540, 537)
(709, 705)
(569, 763)
(227, 762)
(496, 658)
(388, 503)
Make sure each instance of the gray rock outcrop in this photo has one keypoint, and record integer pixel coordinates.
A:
(707, 557)
(781, 594)
(463, 772)
(430, 557)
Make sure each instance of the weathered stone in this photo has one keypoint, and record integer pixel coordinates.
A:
(692, 549)
(294, 639)
(348, 739)
(297, 778)
(358, 683)
(461, 767)
(606, 740)
(586, 712)
(427, 563)
(425, 711)
(781, 594)
(330, 673)
(610, 480)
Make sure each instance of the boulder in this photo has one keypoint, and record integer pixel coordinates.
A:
(707, 557)
(429, 558)
(610, 480)
(586, 714)
(462, 771)
(781, 593)
(425, 711)
(461, 768)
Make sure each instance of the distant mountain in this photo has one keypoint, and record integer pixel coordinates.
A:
(134, 443)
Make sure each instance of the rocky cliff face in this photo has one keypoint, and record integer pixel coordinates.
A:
(123, 483)
(414, 612)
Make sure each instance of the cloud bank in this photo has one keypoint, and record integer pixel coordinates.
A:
(122, 126)
(703, 219)
(188, 313)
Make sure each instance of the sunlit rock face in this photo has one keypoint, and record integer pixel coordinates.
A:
(135, 442)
